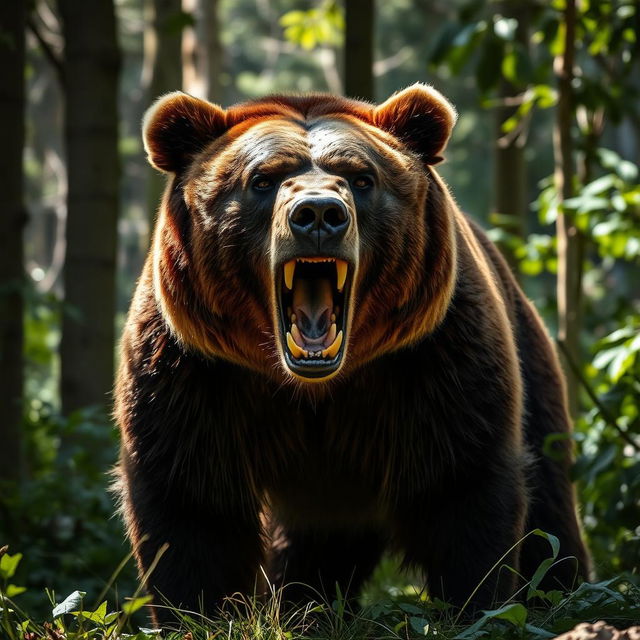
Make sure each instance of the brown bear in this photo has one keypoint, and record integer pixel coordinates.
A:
(324, 358)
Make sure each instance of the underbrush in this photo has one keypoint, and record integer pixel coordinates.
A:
(389, 609)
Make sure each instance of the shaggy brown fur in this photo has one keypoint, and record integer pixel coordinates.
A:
(424, 433)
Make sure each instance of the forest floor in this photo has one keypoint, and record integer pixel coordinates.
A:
(390, 608)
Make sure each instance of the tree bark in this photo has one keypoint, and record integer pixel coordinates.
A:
(569, 283)
(163, 56)
(166, 72)
(210, 33)
(509, 174)
(203, 52)
(358, 50)
(13, 217)
(91, 65)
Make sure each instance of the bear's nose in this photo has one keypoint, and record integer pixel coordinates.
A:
(319, 222)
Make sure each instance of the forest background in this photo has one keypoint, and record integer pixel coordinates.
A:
(545, 155)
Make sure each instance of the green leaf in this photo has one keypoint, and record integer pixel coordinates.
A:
(509, 66)
(545, 95)
(600, 185)
(400, 625)
(98, 616)
(12, 590)
(621, 364)
(539, 574)
(292, 17)
(410, 608)
(419, 625)
(474, 631)
(515, 613)
(9, 564)
(308, 39)
(131, 606)
(551, 539)
(538, 632)
(516, 66)
(71, 603)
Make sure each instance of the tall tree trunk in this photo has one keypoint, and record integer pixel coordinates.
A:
(163, 57)
(509, 173)
(166, 72)
(358, 49)
(202, 51)
(91, 64)
(569, 284)
(13, 217)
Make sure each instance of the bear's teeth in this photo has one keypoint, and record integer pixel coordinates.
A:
(295, 350)
(331, 335)
(295, 334)
(289, 270)
(341, 268)
(331, 351)
(293, 318)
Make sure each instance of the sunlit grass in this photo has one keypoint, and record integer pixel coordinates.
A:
(392, 607)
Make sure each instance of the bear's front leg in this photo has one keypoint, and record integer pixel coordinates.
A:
(212, 552)
(459, 533)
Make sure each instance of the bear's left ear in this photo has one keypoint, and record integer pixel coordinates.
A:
(177, 127)
(421, 117)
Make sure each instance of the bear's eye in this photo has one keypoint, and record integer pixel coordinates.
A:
(362, 182)
(262, 183)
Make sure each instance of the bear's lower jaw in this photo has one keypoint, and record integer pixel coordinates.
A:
(313, 298)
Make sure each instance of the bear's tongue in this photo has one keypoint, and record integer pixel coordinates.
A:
(313, 306)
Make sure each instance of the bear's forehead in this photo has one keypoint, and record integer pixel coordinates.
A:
(323, 141)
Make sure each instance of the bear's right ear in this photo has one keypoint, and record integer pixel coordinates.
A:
(177, 127)
(419, 116)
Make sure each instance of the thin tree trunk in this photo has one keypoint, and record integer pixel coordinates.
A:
(202, 51)
(569, 284)
(91, 63)
(358, 50)
(13, 217)
(509, 174)
(167, 57)
(163, 56)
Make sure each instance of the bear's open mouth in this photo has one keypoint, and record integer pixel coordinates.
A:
(313, 296)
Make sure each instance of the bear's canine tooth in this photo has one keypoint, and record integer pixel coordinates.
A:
(294, 317)
(295, 350)
(289, 270)
(331, 335)
(331, 351)
(341, 269)
(295, 334)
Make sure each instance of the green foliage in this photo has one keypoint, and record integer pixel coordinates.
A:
(404, 617)
(63, 514)
(322, 25)
(516, 45)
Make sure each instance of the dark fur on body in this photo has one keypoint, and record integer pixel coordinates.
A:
(428, 441)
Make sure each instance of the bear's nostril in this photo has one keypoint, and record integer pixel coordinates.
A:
(319, 223)
(334, 217)
(303, 217)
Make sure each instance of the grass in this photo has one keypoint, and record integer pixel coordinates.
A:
(390, 609)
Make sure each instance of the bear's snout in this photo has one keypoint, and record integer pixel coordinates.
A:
(319, 223)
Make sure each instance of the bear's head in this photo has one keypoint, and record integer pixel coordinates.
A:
(302, 236)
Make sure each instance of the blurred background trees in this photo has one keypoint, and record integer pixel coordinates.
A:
(545, 155)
